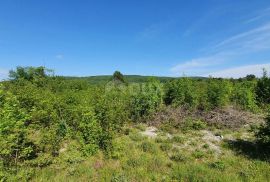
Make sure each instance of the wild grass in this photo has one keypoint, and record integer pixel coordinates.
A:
(138, 158)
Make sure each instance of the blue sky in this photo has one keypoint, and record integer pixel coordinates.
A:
(222, 38)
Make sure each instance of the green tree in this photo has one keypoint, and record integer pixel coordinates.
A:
(147, 100)
(263, 134)
(181, 92)
(15, 146)
(118, 77)
(29, 73)
(263, 89)
(91, 131)
(243, 95)
(250, 77)
(218, 92)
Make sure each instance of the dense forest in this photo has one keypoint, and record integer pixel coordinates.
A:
(51, 125)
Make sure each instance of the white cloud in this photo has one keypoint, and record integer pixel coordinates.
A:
(241, 71)
(201, 65)
(250, 42)
(256, 39)
(3, 74)
(59, 56)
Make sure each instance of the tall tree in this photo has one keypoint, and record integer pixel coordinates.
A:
(263, 89)
(28, 73)
(118, 76)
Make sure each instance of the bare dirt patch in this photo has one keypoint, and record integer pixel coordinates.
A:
(212, 140)
(150, 132)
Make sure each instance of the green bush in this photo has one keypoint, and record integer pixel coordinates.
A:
(134, 162)
(42, 161)
(244, 96)
(178, 139)
(91, 132)
(147, 100)
(263, 89)
(137, 137)
(218, 93)
(206, 146)
(15, 145)
(218, 165)
(181, 92)
(193, 124)
(263, 133)
(178, 157)
(166, 147)
(198, 154)
(162, 139)
(147, 146)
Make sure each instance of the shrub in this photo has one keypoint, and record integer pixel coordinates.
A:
(15, 146)
(141, 127)
(133, 162)
(178, 139)
(178, 157)
(160, 139)
(42, 161)
(91, 132)
(218, 165)
(218, 93)
(156, 163)
(206, 146)
(137, 137)
(167, 127)
(181, 92)
(119, 178)
(166, 147)
(191, 124)
(263, 133)
(243, 95)
(198, 154)
(147, 100)
(198, 125)
(147, 146)
(263, 89)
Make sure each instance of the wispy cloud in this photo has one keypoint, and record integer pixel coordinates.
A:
(202, 19)
(155, 30)
(240, 71)
(261, 14)
(199, 66)
(59, 56)
(3, 73)
(250, 42)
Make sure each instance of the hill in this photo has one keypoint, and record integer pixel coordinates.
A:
(129, 78)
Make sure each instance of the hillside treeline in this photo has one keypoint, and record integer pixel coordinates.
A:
(41, 113)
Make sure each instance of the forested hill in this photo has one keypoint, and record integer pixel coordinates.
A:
(129, 78)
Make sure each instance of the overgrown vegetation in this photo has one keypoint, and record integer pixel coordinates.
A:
(47, 120)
